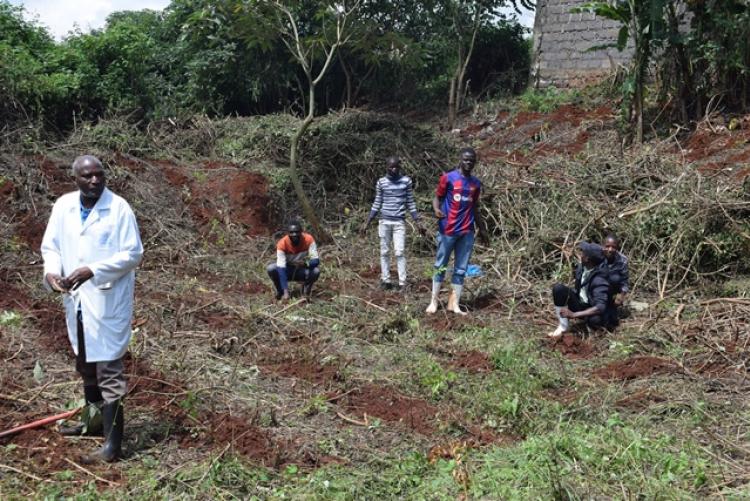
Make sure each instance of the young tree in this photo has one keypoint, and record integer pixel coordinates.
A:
(462, 20)
(312, 31)
(643, 23)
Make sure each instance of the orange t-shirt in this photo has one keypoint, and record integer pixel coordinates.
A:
(296, 255)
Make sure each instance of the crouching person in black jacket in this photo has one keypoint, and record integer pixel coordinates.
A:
(590, 299)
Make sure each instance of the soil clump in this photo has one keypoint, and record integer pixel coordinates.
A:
(573, 347)
(635, 367)
(390, 406)
(474, 362)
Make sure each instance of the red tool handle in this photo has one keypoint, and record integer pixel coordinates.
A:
(41, 422)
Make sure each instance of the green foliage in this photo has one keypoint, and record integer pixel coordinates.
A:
(579, 460)
(432, 376)
(699, 49)
(573, 462)
(198, 56)
(318, 404)
(10, 318)
(546, 100)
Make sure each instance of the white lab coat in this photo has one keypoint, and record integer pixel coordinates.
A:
(109, 243)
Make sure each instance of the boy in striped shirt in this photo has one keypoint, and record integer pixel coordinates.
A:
(394, 195)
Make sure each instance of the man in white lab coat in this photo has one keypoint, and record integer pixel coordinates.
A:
(90, 249)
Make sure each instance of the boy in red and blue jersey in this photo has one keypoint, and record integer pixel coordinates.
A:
(456, 205)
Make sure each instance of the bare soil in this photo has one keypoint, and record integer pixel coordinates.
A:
(573, 347)
(635, 367)
(386, 404)
(474, 362)
(218, 191)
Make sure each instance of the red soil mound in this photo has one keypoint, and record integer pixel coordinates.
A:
(50, 452)
(472, 361)
(223, 191)
(47, 315)
(572, 346)
(202, 428)
(310, 371)
(386, 404)
(251, 287)
(635, 367)
(446, 322)
(531, 135)
(56, 174)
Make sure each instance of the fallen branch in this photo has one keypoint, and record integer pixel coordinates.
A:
(366, 302)
(733, 300)
(88, 472)
(285, 308)
(21, 472)
(677, 315)
(642, 209)
(354, 421)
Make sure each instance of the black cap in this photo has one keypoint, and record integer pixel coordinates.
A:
(592, 251)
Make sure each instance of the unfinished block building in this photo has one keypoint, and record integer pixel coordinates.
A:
(562, 41)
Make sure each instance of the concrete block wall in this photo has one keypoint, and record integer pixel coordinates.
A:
(561, 43)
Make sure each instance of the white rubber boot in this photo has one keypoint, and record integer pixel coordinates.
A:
(562, 327)
(432, 308)
(453, 301)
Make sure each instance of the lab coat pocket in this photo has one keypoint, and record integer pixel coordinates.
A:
(99, 302)
(102, 234)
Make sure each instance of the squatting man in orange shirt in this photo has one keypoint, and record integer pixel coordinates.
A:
(296, 260)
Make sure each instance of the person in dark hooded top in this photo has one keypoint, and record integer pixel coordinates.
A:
(590, 298)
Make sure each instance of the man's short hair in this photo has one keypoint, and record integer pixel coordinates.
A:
(467, 149)
(294, 222)
(393, 159)
(80, 160)
(613, 237)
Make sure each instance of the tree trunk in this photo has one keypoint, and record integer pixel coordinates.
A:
(456, 91)
(638, 105)
(640, 61)
(452, 104)
(347, 80)
(321, 235)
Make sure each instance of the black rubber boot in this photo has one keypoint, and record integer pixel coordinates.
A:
(87, 426)
(114, 427)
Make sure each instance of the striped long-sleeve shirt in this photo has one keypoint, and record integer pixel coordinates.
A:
(393, 197)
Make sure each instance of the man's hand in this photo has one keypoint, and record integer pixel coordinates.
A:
(77, 278)
(620, 299)
(484, 238)
(566, 313)
(285, 297)
(56, 282)
(439, 213)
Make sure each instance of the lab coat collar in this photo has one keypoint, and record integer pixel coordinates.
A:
(104, 203)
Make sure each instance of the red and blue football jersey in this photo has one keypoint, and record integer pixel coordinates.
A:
(460, 196)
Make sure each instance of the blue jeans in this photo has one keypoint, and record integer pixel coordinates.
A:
(461, 246)
(293, 274)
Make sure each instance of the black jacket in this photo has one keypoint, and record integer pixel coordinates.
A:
(618, 273)
(598, 287)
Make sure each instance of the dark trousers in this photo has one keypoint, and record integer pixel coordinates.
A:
(293, 274)
(108, 377)
(564, 296)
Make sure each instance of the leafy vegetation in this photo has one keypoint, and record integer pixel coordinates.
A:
(699, 51)
(202, 56)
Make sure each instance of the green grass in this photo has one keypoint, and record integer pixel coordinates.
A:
(576, 461)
